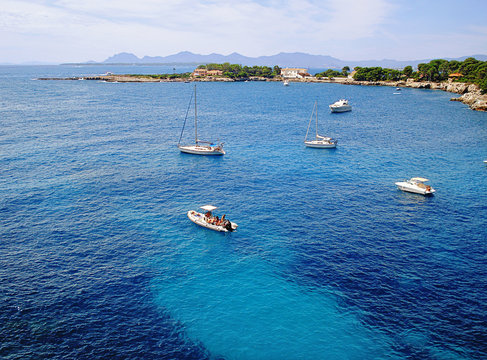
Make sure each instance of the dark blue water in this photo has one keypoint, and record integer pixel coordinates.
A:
(330, 261)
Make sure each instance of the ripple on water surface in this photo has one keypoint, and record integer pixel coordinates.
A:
(329, 261)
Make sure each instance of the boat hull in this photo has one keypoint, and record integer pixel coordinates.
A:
(404, 186)
(340, 109)
(199, 219)
(320, 144)
(201, 150)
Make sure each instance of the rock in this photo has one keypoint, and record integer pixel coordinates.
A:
(473, 88)
(480, 104)
(475, 100)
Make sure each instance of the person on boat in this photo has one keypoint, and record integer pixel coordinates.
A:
(227, 225)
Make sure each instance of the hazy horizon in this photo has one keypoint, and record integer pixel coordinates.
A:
(102, 62)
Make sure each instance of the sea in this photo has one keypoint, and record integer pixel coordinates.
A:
(98, 259)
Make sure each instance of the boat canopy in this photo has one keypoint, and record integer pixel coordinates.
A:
(419, 179)
(323, 137)
(208, 207)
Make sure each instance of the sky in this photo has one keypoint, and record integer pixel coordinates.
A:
(59, 31)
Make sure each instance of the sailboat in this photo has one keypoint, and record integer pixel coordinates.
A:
(322, 142)
(200, 147)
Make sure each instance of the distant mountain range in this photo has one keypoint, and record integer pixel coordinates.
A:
(295, 59)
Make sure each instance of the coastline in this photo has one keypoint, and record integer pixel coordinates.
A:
(470, 93)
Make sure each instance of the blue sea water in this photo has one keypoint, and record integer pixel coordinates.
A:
(330, 261)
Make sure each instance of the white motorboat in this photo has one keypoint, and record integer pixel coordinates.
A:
(485, 161)
(285, 83)
(200, 147)
(416, 185)
(341, 106)
(209, 221)
(321, 142)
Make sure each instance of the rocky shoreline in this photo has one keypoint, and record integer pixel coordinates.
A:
(470, 93)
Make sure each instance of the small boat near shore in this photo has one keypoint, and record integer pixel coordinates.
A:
(210, 221)
(341, 105)
(415, 185)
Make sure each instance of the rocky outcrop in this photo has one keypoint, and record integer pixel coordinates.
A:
(474, 100)
(471, 94)
(141, 78)
(454, 87)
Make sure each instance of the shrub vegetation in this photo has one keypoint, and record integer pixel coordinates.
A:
(472, 71)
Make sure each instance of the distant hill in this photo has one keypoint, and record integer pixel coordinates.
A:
(296, 59)
(186, 57)
(123, 58)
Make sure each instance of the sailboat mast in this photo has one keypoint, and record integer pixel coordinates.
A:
(185, 118)
(195, 119)
(309, 124)
(316, 105)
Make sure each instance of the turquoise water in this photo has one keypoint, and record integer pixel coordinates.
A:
(330, 260)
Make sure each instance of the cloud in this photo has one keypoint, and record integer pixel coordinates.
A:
(478, 30)
(358, 19)
(98, 28)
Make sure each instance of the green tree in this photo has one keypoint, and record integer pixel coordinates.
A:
(328, 73)
(408, 71)
(454, 66)
(468, 65)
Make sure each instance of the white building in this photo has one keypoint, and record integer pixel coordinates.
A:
(295, 73)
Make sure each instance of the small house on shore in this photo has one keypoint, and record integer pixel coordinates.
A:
(200, 72)
(204, 72)
(214, 73)
(294, 73)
